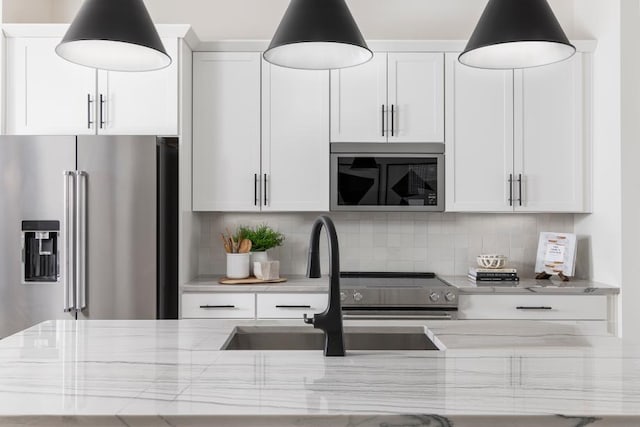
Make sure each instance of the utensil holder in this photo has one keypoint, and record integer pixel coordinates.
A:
(238, 266)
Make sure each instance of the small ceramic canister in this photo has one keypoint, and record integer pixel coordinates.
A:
(238, 266)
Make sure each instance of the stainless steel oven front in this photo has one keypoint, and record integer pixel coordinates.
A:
(387, 177)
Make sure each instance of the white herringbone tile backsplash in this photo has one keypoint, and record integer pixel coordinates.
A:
(446, 243)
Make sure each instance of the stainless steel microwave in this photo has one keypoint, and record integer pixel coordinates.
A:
(387, 177)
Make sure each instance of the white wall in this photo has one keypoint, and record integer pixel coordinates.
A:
(630, 128)
(258, 19)
(600, 19)
(34, 11)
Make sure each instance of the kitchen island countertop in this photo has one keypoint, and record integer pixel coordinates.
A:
(172, 373)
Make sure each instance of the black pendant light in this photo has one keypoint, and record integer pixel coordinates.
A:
(517, 34)
(114, 35)
(318, 35)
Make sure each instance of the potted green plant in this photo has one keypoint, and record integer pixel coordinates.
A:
(262, 239)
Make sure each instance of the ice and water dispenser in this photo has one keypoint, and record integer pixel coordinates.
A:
(40, 252)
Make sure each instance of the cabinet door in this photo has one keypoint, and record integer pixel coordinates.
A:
(359, 102)
(479, 146)
(295, 139)
(226, 131)
(289, 306)
(416, 97)
(140, 103)
(550, 147)
(218, 306)
(47, 95)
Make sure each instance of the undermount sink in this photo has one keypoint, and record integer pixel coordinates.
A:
(304, 338)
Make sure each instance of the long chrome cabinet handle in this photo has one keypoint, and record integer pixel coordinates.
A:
(81, 240)
(393, 123)
(520, 189)
(510, 189)
(89, 102)
(266, 186)
(102, 122)
(69, 241)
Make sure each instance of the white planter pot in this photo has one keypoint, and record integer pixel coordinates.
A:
(238, 266)
(258, 257)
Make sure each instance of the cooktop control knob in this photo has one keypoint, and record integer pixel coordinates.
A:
(450, 296)
(434, 296)
(357, 296)
(343, 296)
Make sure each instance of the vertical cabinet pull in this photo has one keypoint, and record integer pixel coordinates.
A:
(382, 120)
(393, 126)
(266, 200)
(520, 189)
(89, 102)
(510, 189)
(102, 123)
(256, 200)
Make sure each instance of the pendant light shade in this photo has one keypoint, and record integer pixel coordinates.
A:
(516, 34)
(115, 35)
(318, 35)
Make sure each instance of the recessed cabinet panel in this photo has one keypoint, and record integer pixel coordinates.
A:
(47, 95)
(140, 103)
(295, 139)
(479, 147)
(550, 153)
(226, 131)
(359, 102)
(416, 97)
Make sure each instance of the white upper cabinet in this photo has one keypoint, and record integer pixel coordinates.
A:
(261, 141)
(359, 102)
(416, 97)
(551, 153)
(47, 95)
(295, 139)
(516, 139)
(226, 131)
(143, 103)
(479, 150)
(396, 97)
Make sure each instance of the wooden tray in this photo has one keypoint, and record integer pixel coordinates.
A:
(249, 281)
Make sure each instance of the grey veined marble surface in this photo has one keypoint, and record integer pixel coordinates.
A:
(172, 373)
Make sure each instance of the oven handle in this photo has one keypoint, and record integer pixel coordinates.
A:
(397, 317)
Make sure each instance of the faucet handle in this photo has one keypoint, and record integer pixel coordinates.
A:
(307, 320)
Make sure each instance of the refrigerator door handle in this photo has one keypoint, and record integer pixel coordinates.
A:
(69, 241)
(81, 240)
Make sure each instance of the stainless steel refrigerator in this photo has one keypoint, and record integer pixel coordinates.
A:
(88, 229)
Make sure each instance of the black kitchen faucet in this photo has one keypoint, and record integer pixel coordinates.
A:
(330, 320)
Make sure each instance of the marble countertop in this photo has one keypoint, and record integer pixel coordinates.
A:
(300, 283)
(553, 286)
(172, 373)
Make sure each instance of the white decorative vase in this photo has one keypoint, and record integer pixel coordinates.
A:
(258, 257)
(238, 266)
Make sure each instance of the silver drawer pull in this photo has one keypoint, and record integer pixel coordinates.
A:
(534, 308)
(217, 306)
(293, 306)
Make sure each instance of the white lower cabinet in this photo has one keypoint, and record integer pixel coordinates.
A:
(533, 307)
(218, 306)
(290, 306)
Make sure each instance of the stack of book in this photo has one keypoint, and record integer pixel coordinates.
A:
(493, 274)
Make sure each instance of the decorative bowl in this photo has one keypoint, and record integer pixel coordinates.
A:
(491, 261)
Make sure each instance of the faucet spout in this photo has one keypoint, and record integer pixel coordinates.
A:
(330, 320)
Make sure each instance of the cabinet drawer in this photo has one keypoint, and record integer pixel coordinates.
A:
(290, 306)
(533, 307)
(218, 306)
